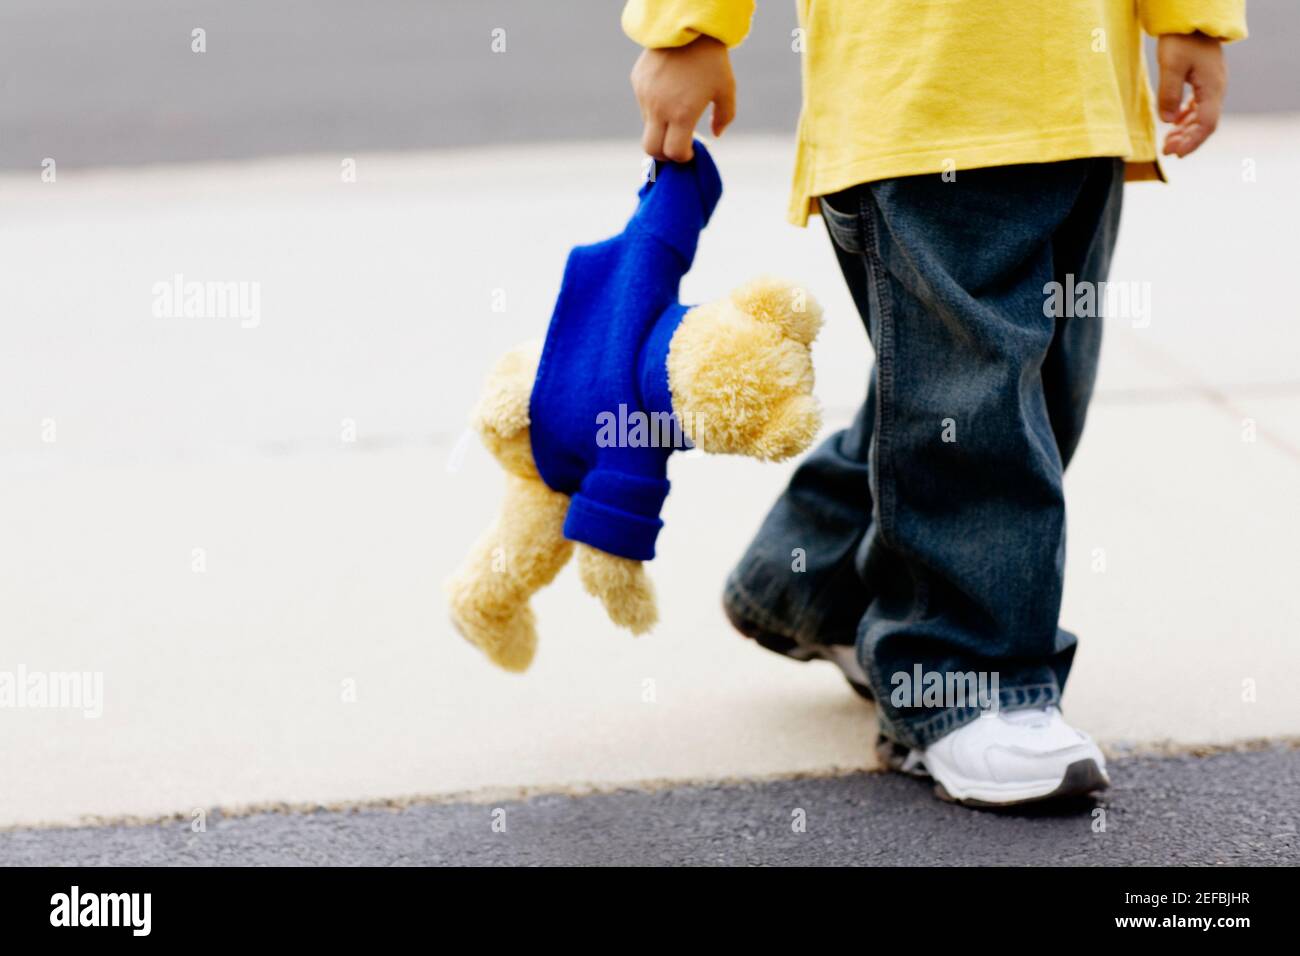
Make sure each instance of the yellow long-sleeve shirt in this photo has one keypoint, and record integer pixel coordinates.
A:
(902, 87)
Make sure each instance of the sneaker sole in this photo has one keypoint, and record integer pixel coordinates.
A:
(842, 656)
(1081, 777)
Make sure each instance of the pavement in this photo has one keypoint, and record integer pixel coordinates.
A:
(1225, 809)
(242, 526)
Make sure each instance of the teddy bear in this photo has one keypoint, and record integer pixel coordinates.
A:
(584, 424)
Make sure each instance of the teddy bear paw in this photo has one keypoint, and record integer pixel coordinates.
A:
(622, 586)
(508, 636)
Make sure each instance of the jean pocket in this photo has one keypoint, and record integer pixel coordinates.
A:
(842, 212)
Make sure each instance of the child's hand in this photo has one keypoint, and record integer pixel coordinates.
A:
(673, 87)
(1196, 60)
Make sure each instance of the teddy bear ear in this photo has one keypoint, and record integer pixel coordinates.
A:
(502, 409)
(786, 305)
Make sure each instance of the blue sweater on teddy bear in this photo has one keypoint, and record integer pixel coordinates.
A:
(601, 414)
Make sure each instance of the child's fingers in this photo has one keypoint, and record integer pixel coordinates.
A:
(1178, 138)
(1189, 139)
(652, 137)
(677, 143)
(1185, 138)
(1195, 61)
(1208, 92)
(1196, 122)
(724, 111)
(1171, 95)
(1173, 74)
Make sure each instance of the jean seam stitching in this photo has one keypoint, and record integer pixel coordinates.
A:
(884, 369)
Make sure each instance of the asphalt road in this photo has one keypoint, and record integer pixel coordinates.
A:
(94, 82)
(1239, 808)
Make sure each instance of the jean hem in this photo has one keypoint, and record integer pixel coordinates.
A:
(921, 733)
(739, 600)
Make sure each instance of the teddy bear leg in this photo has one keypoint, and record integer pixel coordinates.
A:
(622, 585)
(521, 553)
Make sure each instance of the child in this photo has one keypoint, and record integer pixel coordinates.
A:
(964, 155)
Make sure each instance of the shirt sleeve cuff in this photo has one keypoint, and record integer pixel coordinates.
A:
(617, 513)
(1222, 19)
(611, 529)
(670, 23)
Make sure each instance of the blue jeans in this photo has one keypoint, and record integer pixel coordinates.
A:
(931, 531)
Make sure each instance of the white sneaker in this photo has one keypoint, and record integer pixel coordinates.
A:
(1013, 756)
